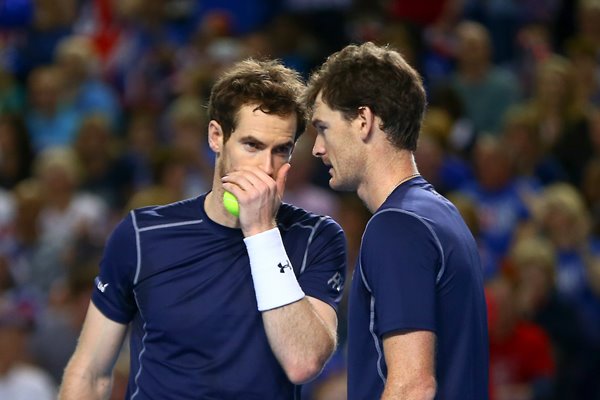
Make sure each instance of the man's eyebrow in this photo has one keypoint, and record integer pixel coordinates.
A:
(287, 144)
(250, 137)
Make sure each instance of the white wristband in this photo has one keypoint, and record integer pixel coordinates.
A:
(275, 283)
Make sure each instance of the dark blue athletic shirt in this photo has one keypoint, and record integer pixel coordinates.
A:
(418, 270)
(184, 284)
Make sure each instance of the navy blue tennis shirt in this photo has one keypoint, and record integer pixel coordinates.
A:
(184, 283)
(419, 269)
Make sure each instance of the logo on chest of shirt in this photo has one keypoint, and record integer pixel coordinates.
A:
(283, 266)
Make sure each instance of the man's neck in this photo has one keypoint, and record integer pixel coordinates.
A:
(384, 174)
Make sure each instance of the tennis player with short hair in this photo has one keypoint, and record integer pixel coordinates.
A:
(221, 307)
(417, 316)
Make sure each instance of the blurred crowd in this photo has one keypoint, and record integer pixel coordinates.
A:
(102, 109)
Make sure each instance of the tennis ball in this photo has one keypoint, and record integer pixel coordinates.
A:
(231, 204)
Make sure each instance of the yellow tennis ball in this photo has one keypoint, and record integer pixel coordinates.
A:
(231, 204)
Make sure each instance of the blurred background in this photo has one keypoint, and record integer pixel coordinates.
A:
(103, 108)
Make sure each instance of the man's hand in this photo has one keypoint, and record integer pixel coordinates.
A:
(259, 196)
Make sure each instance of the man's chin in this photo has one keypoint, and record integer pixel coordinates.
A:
(340, 186)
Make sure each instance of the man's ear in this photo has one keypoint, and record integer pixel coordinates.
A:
(366, 120)
(215, 136)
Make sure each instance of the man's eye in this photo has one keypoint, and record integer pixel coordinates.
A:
(285, 151)
(251, 146)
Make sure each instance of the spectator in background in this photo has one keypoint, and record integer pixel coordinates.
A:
(534, 167)
(186, 131)
(521, 361)
(561, 119)
(141, 143)
(16, 154)
(533, 47)
(211, 48)
(103, 172)
(66, 214)
(51, 20)
(505, 19)
(54, 338)
(51, 120)
(563, 218)
(78, 61)
(141, 62)
(532, 265)
(19, 380)
(486, 91)
(553, 101)
(20, 246)
(565, 221)
(67, 210)
(502, 212)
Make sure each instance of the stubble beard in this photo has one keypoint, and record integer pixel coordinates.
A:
(337, 183)
(223, 167)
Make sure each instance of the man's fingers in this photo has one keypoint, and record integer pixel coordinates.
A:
(251, 183)
(281, 178)
(239, 181)
(255, 175)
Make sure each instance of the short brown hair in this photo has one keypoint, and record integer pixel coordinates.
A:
(377, 77)
(274, 88)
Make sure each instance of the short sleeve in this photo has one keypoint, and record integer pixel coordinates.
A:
(400, 257)
(113, 292)
(324, 274)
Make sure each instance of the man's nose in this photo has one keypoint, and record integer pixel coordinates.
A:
(318, 149)
(266, 163)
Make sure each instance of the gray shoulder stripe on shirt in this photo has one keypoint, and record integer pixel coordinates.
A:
(137, 247)
(376, 340)
(148, 228)
(428, 226)
(161, 226)
(310, 239)
(372, 324)
(140, 360)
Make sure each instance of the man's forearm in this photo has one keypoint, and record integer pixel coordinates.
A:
(300, 339)
(78, 384)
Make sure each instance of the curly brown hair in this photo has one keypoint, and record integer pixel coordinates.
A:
(272, 87)
(377, 77)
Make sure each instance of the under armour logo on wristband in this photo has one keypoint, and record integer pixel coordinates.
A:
(282, 267)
